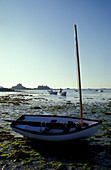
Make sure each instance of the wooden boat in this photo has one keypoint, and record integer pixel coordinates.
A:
(54, 128)
(57, 128)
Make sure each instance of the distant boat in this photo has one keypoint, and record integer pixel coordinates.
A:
(62, 93)
(52, 92)
(76, 90)
(100, 91)
(57, 128)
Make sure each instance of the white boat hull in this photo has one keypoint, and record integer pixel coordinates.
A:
(82, 135)
(62, 94)
(56, 135)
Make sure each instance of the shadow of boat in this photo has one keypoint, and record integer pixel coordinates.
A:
(72, 152)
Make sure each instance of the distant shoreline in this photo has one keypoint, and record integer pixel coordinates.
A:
(19, 87)
(18, 90)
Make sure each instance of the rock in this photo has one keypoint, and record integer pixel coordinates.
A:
(35, 107)
(19, 87)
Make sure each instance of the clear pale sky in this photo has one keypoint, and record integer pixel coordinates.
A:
(37, 43)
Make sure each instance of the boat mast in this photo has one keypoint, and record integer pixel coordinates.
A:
(79, 79)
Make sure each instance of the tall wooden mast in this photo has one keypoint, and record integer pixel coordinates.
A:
(79, 78)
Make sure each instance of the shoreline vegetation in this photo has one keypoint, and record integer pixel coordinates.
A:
(17, 152)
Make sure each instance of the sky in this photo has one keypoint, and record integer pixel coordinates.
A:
(37, 45)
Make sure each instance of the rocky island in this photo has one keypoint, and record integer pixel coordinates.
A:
(21, 87)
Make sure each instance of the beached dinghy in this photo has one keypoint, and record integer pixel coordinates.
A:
(54, 128)
(57, 128)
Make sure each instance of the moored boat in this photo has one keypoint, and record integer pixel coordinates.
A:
(61, 93)
(100, 91)
(52, 92)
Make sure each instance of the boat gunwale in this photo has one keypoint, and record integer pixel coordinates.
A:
(97, 122)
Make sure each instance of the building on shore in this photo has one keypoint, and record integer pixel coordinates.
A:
(43, 87)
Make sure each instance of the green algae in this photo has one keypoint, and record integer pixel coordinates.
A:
(23, 152)
(57, 109)
(108, 133)
(17, 150)
(5, 136)
(105, 126)
(11, 100)
(82, 166)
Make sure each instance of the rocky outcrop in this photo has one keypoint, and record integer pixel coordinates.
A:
(2, 89)
(19, 87)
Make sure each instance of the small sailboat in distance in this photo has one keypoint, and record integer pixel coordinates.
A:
(57, 128)
(100, 90)
(61, 93)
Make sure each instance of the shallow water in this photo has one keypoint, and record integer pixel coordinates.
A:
(87, 95)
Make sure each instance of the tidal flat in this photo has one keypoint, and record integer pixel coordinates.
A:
(18, 152)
